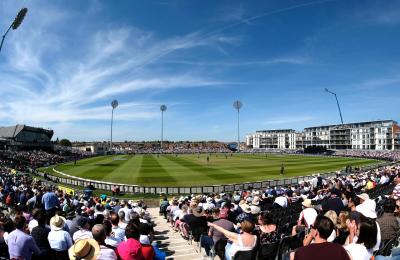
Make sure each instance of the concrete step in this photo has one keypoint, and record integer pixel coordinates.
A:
(171, 242)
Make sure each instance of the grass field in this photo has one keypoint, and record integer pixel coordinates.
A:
(193, 170)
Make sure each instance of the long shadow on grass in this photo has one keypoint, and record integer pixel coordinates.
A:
(212, 173)
(150, 166)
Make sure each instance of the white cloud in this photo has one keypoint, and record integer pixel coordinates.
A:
(295, 60)
(45, 80)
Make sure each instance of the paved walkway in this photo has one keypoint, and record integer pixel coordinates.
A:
(172, 242)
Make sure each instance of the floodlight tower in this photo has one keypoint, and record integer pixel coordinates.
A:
(238, 105)
(15, 24)
(337, 102)
(114, 105)
(163, 108)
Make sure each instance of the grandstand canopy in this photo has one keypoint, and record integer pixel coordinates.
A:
(24, 133)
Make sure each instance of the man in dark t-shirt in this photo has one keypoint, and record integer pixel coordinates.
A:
(321, 249)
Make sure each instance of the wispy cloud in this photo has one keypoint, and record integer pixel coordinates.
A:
(44, 81)
(381, 14)
(275, 61)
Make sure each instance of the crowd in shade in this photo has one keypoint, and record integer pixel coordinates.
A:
(349, 216)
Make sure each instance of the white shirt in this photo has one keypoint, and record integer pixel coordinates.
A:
(127, 211)
(106, 254)
(82, 234)
(358, 251)
(59, 240)
(112, 241)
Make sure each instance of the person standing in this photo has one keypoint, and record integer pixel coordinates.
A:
(21, 245)
(50, 203)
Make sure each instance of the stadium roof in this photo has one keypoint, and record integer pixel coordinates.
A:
(10, 132)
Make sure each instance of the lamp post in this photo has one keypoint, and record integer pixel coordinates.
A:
(238, 105)
(162, 108)
(15, 24)
(337, 101)
(114, 105)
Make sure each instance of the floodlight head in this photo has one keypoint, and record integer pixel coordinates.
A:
(327, 90)
(114, 104)
(19, 18)
(163, 108)
(237, 104)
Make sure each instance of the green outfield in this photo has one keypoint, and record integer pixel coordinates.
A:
(194, 170)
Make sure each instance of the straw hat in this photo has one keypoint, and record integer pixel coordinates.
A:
(246, 208)
(307, 203)
(57, 222)
(84, 249)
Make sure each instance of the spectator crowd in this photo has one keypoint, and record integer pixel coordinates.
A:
(350, 216)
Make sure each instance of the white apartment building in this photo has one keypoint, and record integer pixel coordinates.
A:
(373, 135)
(279, 139)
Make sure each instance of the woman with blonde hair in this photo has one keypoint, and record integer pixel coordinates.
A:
(342, 229)
(245, 241)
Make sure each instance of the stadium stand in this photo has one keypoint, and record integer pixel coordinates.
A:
(20, 137)
(40, 220)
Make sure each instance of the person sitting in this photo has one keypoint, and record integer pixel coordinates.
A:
(119, 233)
(266, 229)
(362, 239)
(131, 249)
(245, 241)
(321, 248)
(307, 216)
(83, 232)
(198, 223)
(106, 252)
(388, 222)
(214, 235)
(342, 229)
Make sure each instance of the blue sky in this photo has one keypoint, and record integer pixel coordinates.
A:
(69, 59)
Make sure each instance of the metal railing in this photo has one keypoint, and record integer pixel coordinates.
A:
(136, 189)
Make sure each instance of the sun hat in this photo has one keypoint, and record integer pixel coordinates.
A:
(198, 212)
(307, 203)
(57, 222)
(363, 196)
(84, 249)
(246, 208)
(367, 208)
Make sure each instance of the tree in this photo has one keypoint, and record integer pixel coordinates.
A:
(65, 142)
